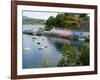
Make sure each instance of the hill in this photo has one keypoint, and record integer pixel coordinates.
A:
(28, 20)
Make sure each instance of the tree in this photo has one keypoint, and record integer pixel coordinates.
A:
(84, 56)
(73, 57)
(59, 20)
(62, 20)
(50, 23)
(84, 17)
(70, 56)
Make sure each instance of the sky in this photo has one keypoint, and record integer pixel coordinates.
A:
(39, 15)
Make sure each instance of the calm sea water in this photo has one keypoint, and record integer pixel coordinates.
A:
(40, 49)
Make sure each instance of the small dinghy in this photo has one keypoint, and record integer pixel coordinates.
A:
(41, 48)
(34, 38)
(38, 43)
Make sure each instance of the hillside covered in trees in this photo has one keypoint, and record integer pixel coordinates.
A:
(66, 20)
(27, 20)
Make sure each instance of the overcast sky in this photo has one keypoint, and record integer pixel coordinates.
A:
(39, 15)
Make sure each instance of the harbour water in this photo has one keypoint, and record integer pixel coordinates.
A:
(38, 50)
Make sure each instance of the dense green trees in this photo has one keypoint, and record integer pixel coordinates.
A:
(27, 20)
(84, 56)
(70, 56)
(74, 57)
(65, 20)
(50, 23)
